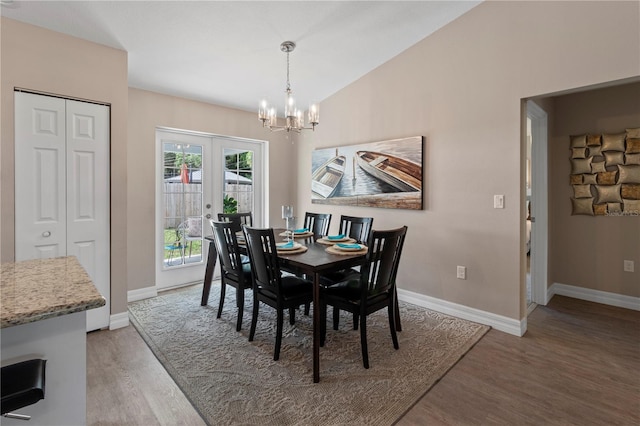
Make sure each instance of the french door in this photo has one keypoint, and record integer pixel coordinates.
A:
(200, 175)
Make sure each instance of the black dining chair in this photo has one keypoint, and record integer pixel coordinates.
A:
(270, 286)
(234, 272)
(238, 219)
(371, 290)
(359, 229)
(318, 223)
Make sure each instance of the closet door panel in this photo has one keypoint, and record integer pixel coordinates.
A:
(88, 197)
(40, 220)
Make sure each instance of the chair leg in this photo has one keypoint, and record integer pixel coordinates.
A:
(363, 341)
(392, 325)
(355, 320)
(306, 308)
(397, 312)
(254, 319)
(292, 316)
(280, 320)
(240, 303)
(223, 289)
(336, 318)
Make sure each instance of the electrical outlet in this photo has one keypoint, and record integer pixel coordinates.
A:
(628, 266)
(498, 201)
(461, 272)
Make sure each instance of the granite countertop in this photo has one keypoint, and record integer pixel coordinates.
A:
(34, 290)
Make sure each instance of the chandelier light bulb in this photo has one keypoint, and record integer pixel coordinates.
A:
(263, 110)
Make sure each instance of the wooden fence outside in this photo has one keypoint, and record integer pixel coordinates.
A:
(187, 199)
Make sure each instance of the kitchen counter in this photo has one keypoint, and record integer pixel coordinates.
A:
(43, 311)
(35, 290)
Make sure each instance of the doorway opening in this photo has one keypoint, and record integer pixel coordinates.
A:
(537, 206)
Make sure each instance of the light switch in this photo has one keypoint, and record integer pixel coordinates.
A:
(498, 201)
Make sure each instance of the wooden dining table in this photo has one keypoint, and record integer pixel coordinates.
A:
(314, 262)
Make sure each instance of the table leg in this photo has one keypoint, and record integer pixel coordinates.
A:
(208, 274)
(316, 327)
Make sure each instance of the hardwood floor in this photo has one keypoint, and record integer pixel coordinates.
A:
(578, 363)
(127, 385)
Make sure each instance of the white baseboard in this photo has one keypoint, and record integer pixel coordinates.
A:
(499, 322)
(597, 296)
(141, 293)
(119, 320)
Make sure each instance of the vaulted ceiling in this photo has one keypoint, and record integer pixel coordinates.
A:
(228, 52)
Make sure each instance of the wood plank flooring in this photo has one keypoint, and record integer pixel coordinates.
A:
(127, 385)
(578, 364)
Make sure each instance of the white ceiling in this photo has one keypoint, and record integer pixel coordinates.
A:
(228, 52)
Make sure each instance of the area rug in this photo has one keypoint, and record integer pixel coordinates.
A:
(232, 381)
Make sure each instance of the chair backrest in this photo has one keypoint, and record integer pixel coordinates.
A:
(190, 229)
(379, 271)
(318, 223)
(357, 228)
(224, 235)
(238, 219)
(261, 247)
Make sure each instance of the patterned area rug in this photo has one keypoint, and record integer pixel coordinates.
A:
(232, 381)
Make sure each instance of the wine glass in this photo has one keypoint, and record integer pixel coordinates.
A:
(287, 215)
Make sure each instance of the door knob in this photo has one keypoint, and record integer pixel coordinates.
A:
(208, 206)
(208, 215)
(46, 234)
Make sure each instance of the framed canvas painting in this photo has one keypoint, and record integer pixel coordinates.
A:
(384, 174)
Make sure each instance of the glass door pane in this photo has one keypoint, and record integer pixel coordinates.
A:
(238, 196)
(183, 203)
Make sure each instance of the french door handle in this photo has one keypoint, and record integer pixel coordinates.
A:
(46, 234)
(208, 215)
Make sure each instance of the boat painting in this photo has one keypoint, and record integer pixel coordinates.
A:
(397, 172)
(325, 179)
(385, 174)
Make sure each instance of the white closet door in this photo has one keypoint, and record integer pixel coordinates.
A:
(88, 197)
(62, 187)
(40, 181)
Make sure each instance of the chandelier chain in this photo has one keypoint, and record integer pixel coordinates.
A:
(288, 85)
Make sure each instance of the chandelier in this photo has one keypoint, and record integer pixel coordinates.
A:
(293, 116)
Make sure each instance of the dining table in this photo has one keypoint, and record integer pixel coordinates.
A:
(315, 261)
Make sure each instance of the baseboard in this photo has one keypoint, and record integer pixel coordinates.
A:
(141, 293)
(604, 297)
(499, 322)
(119, 320)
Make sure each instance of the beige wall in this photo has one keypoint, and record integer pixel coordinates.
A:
(37, 59)
(461, 88)
(147, 111)
(589, 251)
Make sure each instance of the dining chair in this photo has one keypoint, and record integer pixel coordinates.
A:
(359, 229)
(318, 223)
(270, 286)
(373, 289)
(233, 271)
(238, 219)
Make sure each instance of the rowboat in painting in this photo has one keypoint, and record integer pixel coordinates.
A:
(400, 173)
(325, 179)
